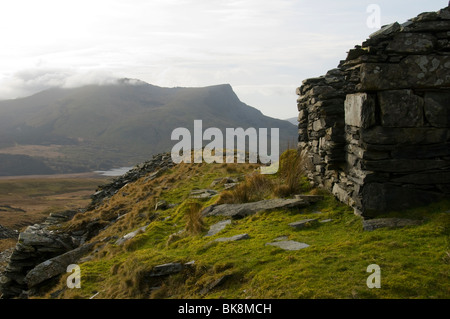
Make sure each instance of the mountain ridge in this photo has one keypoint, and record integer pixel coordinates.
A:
(121, 124)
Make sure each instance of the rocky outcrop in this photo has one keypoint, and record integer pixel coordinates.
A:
(35, 245)
(153, 168)
(5, 232)
(376, 130)
(44, 250)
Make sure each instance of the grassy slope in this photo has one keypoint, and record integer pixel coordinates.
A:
(414, 261)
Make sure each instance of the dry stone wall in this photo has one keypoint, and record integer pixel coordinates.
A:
(376, 130)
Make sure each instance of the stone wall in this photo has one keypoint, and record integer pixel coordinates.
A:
(376, 129)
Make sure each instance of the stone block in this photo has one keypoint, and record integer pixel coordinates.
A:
(411, 43)
(404, 136)
(378, 198)
(403, 165)
(400, 108)
(425, 178)
(414, 71)
(359, 110)
(437, 108)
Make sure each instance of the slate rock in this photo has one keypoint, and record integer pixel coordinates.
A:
(288, 245)
(202, 193)
(166, 269)
(233, 238)
(7, 233)
(303, 223)
(55, 266)
(242, 210)
(217, 227)
(372, 224)
(133, 234)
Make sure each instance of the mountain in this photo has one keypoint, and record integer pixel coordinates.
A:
(293, 120)
(100, 127)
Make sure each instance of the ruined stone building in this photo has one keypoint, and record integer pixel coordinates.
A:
(376, 130)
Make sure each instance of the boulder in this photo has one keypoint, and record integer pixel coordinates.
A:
(55, 266)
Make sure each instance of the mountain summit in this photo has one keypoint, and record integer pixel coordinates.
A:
(104, 126)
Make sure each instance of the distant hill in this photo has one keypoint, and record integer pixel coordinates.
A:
(293, 120)
(100, 127)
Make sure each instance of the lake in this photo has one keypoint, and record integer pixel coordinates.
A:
(115, 171)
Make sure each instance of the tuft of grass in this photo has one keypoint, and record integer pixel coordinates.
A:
(194, 219)
(290, 173)
(255, 187)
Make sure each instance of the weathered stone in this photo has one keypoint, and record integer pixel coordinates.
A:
(404, 165)
(385, 31)
(421, 151)
(381, 198)
(7, 233)
(400, 108)
(342, 194)
(216, 283)
(372, 224)
(233, 238)
(133, 234)
(166, 269)
(309, 198)
(421, 26)
(437, 108)
(303, 223)
(411, 43)
(55, 266)
(359, 110)
(218, 227)
(246, 209)
(288, 245)
(403, 136)
(430, 178)
(202, 193)
(386, 146)
(161, 205)
(414, 71)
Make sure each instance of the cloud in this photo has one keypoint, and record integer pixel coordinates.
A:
(27, 82)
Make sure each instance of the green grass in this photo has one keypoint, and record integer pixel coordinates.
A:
(414, 260)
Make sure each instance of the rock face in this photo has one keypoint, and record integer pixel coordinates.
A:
(156, 166)
(37, 244)
(376, 130)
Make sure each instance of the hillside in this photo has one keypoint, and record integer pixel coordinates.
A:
(163, 235)
(100, 127)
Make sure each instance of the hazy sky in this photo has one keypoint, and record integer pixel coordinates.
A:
(263, 48)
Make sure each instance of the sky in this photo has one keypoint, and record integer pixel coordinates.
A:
(263, 48)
